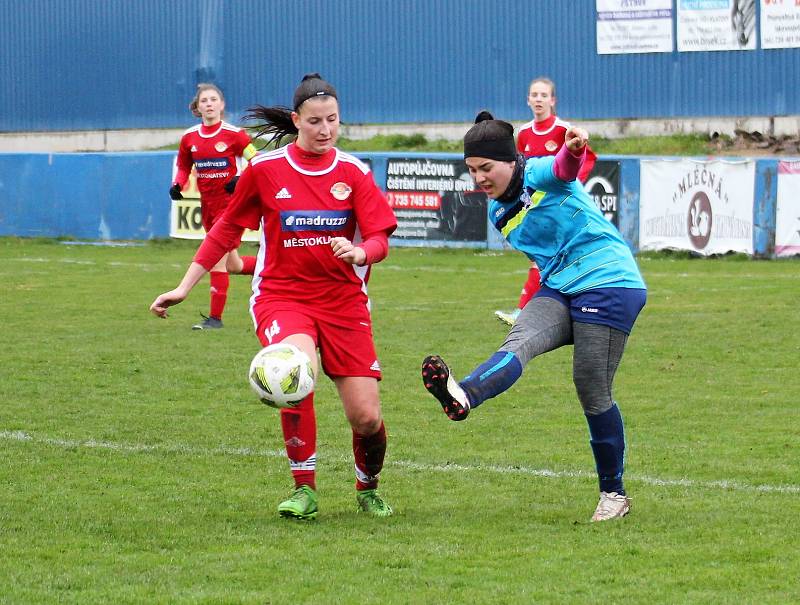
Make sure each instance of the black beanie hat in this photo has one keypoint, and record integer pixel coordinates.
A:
(490, 138)
(312, 85)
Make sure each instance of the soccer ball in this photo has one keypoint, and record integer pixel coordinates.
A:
(281, 375)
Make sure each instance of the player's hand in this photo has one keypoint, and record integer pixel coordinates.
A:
(175, 192)
(344, 250)
(166, 300)
(576, 139)
(230, 186)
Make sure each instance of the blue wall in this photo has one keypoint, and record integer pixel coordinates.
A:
(111, 196)
(123, 196)
(109, 64)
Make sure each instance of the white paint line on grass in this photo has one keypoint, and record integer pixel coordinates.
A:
(225, 450)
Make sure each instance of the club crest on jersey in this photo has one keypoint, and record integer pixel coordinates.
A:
(551, 145)
(314, 220)
(341, 191)
(220, 146)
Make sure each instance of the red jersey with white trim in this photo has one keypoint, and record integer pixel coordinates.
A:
(537, 139)
(214, 151)
(302, 200)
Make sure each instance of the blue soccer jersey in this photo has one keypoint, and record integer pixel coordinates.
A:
(559, 227)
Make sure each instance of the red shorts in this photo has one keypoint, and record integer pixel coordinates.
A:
(211, 210)
(346, 347)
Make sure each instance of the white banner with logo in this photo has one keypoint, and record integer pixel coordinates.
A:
(787, 212)
(780, 24)
(701, 206)
(627, 27)
(716, 25)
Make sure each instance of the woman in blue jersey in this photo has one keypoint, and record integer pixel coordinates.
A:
(591, 291)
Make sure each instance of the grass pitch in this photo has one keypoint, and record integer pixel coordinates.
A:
(139, 468)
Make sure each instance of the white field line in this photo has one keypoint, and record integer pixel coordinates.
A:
(71, 261)
(225, 450)
(478, 269)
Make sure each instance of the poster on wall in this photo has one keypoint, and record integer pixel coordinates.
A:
(435, 200)
(644, 26)
(701, 206)
(780, 24)
(787, 213)
(706, 25)
(603, 187)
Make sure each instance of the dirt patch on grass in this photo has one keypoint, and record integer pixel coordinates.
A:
(755, 143)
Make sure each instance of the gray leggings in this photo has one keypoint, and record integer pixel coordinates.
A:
(545, 324)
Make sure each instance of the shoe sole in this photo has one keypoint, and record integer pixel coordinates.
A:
(504, 320)
(290, 514)
(434, 376)
(375, 514)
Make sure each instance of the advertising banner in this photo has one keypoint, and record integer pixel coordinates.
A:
(435, 200)
(626, 27)
(603, 186)
(787, 215)
(780, 24)
(701, 206)
(705, 25)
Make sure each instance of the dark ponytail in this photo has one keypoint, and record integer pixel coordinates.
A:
(274, 122)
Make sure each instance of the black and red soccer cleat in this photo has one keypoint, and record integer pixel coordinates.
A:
(437, 379)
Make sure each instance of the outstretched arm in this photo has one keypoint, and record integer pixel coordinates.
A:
(173, 297)
(223, 237)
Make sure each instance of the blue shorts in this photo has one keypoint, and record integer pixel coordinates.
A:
(614, 307)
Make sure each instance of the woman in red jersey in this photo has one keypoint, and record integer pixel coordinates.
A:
(214, 148)
(324, 223)
(542, 136)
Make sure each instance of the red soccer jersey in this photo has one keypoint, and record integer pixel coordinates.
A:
(303, 200)
(536, 139)
(213, 151)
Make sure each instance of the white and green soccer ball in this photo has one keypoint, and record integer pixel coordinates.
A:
(281, 375)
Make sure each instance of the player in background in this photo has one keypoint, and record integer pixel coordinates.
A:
(218, 151)
(542, 136)
(591, 291)
(325, 222)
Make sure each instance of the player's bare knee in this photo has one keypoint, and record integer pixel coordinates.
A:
(366, 422)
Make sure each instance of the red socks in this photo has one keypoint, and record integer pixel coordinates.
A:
(248, 265)
(299, 426)
(219, 293)
(531, 286)
(369, 452)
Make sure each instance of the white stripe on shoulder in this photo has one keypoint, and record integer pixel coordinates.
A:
(194, 128)
(526, 125)
(229, 126)
(562, 123)
(275, 154)
(351, 159)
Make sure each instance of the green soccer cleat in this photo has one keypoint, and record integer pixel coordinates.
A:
(370, 501)
(302, 504)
